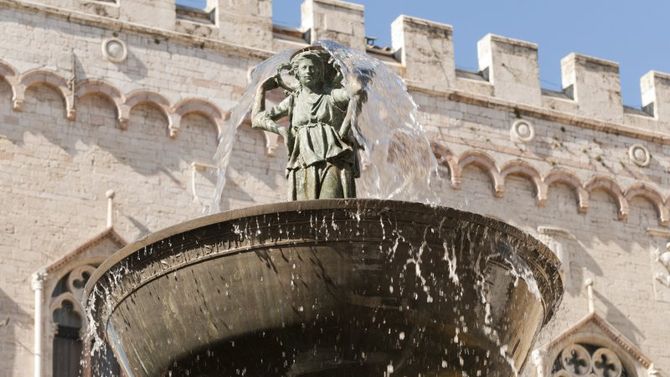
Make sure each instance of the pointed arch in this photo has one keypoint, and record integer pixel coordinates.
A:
(102, 88)
(612, 188)
(48, 78)
(202, 107)
(565, 177)
(524, 169)
(486, 163)
(596, 331)
(652, 196)
(139, 97)
(63, 286)
(446, 158)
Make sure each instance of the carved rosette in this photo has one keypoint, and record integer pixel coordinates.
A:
(586, 360)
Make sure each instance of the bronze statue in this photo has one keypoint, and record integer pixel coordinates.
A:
(322, 160)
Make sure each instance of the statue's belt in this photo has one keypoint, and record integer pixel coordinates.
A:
(312, 125)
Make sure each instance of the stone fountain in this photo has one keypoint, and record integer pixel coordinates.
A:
(336, 286)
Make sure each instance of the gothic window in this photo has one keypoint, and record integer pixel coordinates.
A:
(68, 319)
(588, 360)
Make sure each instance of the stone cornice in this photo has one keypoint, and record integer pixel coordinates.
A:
(122, 26)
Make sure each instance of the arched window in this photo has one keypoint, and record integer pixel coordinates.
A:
(63, 348)
(592, 347)
(68, 318)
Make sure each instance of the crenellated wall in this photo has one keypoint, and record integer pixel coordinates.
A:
(133, 95)
(508, 68)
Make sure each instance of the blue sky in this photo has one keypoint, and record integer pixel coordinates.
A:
(636, 34)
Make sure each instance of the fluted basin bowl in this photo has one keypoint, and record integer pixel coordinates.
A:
(327, 288)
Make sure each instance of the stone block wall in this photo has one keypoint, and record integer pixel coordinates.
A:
(574, 168)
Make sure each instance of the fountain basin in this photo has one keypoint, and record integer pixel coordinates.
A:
(327, 288)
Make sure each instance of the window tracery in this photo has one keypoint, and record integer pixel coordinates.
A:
(588, 360)
(68, 319)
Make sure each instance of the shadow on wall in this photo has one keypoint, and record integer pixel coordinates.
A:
(619, 319)
(145, 146)
(133, 67)
(11, 317)
(579, 267)
(253, 176)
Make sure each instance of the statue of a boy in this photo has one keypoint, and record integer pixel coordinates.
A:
(322, 160)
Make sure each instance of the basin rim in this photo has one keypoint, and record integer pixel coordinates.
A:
(551, 268)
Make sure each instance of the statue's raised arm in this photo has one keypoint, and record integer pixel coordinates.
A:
(322, 160)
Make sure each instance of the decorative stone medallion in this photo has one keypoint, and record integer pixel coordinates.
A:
(522, 130)
(114, 50)
(639, 155)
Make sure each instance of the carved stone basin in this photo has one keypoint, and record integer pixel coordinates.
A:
(327, 288)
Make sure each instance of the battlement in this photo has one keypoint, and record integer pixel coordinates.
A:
(422, 52)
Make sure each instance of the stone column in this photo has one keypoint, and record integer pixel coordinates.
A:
(38, 287)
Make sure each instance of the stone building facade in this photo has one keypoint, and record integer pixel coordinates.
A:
(111, 111)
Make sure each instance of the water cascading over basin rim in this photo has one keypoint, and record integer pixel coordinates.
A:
(327, 288)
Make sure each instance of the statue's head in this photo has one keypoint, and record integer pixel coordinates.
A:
(307, 67)
(314, 66)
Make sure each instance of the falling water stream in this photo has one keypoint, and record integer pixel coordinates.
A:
(396, 157)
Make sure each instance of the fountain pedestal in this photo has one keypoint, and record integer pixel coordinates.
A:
(327, 288)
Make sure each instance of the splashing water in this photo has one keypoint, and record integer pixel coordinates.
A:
(397, 160)
(260, 73)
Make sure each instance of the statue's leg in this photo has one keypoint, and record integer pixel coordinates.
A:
(306, 182)
(292, 192)
(299, 184)
(312, 182)
(348, 182)
(331, 184)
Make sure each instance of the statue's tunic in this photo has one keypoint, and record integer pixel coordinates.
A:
(320, 164)
(315, 124)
